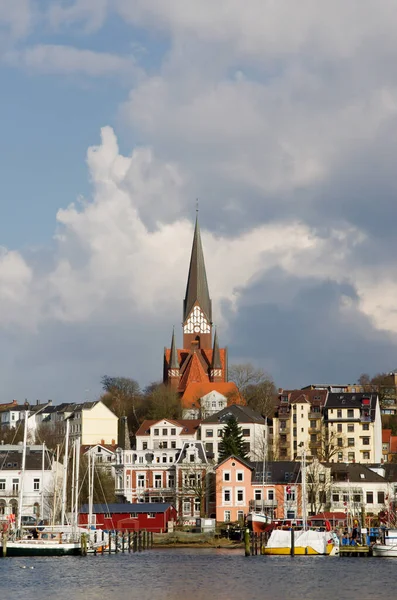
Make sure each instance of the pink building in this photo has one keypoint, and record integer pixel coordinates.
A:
(233, 489)
(242, 486)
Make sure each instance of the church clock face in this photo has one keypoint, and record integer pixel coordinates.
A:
(197, 322)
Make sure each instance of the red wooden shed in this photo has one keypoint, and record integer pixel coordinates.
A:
(148, 516)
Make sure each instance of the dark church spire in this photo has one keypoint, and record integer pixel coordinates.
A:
(174, 364)
(197, 286)
(216, 355)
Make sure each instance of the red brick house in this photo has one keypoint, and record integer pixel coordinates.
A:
(130, 517)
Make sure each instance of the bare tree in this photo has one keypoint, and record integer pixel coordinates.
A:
(383, 384)
(123, 396)
(256, 386)
(246, 374)
(198, 485)
(332, 442)
(318, 487)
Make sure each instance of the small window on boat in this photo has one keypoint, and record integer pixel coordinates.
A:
(362, 475)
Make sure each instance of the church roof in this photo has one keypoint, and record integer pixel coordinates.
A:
(197, 285)
(194, 371)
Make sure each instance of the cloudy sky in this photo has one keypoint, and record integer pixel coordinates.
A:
(281, 116)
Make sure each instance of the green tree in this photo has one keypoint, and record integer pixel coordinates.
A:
(233, 442)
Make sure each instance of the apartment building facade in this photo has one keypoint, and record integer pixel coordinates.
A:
(252, 424)
(330, 426)
(170, 465)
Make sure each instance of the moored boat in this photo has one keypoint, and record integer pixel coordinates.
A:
(258, 522)
(310, 542)
(389, 547)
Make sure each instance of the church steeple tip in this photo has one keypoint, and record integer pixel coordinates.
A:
(216, 355)
(197, 286)
(174, 364)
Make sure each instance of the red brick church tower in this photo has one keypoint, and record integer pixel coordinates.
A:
(201, 361)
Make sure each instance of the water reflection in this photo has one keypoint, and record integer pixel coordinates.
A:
(198, 575)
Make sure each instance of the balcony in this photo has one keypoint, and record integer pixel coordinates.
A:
(315, 444)
(258, 505)
(314, 430)
(315, 414)
(284, 444)
(284, 429)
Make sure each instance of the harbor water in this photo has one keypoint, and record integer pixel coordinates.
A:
(202, 574)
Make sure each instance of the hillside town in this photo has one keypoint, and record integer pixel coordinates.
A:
(211, 441)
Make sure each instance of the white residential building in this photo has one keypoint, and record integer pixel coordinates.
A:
(252, 424)
(41, 477)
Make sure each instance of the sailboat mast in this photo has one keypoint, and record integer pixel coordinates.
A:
(264, 467)
(304, 497)
(91, 491)
(20, 499)
(65, 473)
(77, 474)
(42, 481)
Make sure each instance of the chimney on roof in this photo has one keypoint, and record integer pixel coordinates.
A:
(37, 402)
(49, 402)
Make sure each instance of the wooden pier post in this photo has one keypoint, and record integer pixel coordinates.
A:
(116, 541)
(256, 544)
(4, 545)
(123, 542)
(110, 541)
(103, 542)
(129, 541)
(247, 542)
(151, 539)
(140, 541)
(135, 542)
(292, 542)
(95, 541)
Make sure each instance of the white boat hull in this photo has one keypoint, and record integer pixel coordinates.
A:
(384, 550)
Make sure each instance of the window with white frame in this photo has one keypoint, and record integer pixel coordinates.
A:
(239, 475)
(226, 476)
(187, 507)
(240, 516)
(36, 485)
(227, 516)
(2, 484)
(270, 494)
(240, 496)
(227, 496)
(141, 481)
(197, 505)
(15, 485)
(157, 480)
(258, 494)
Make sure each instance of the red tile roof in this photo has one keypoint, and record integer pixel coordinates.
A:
(195, 366)
(189, 426)
(310, 396)
(386, 435)
(195, 391)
